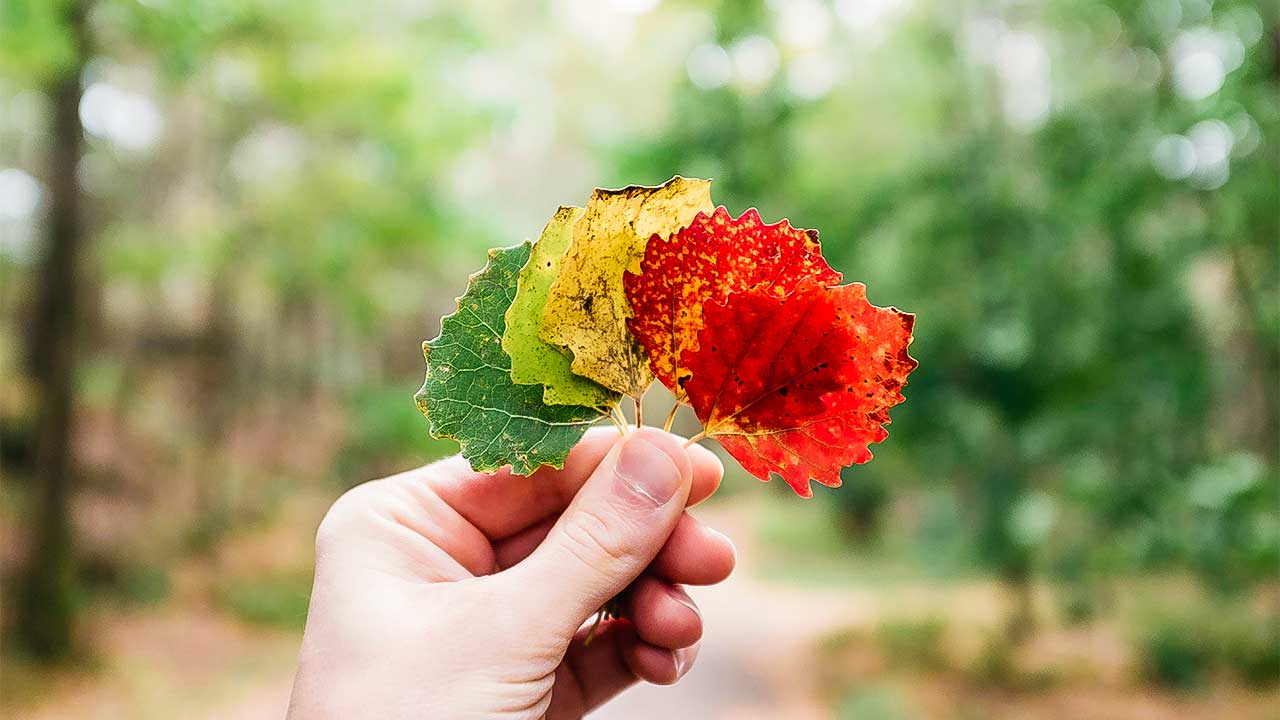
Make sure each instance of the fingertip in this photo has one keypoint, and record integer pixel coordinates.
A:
(656, 665)
(664, 615)
(685, 658)
(721, 563)
(708, 472)
(695, 554)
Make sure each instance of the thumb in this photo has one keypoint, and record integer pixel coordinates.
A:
(611, 531)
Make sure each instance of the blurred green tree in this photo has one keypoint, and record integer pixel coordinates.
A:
(272, 203)
(1071, 385)
(48, 593)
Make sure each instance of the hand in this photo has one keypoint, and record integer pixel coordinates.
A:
(444, 593)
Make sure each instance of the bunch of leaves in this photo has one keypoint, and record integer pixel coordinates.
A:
(793, 373)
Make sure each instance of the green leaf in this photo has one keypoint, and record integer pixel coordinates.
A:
(468, 394)
(534, 361)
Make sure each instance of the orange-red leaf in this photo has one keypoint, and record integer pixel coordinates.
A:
(798, 384)
(714, 256)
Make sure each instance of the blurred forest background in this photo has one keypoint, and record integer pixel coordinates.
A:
(227, 225)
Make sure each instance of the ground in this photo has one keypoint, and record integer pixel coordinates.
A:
(771, 649)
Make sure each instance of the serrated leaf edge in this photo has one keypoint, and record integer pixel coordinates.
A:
(420, 398)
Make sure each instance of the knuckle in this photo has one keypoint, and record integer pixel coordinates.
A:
(337, 520)
(593, 539)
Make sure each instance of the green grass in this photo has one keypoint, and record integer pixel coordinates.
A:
(806, 542)
(141, 584)
(917, 644)
(1176, 654)
(879, 701)
(388, 433)
(1251, 650)
(24, 680)
(1187, 648)
(278, 600)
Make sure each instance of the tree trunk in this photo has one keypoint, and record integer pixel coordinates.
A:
(47, 600)
(1000, 491)
(1020, 619)
(217, 397)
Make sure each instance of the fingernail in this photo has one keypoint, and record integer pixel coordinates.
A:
(684, 659)
(727, 541)
(647, 470)
(679, 595)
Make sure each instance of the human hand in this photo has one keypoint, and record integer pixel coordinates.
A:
(445, 593)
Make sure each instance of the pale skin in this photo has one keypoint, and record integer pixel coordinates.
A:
(444, 593)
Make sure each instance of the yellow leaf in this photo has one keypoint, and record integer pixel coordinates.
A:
(533, 361)
(587, 307)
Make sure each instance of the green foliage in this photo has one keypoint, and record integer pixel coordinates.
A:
(35, 38)
(914, 644)
(1186, 648)
(1073, 379)
(386, 435)
(277, 600)
(1176, 654)
(996, 666)
(1232, 501)
(469, 395)
(875, 702)
(1253, 655)
(1099, 341)
(131, 582)
(862, 501)
(146, 585)
(1250, 648)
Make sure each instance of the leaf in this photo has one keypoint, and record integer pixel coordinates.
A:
(534, 361)
(468, 394)
(714, 256)
(799, 385)
(587, 307)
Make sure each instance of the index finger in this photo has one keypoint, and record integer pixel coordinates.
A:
(502, 504)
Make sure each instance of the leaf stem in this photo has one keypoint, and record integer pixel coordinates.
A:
(639, 401)
(671, 417)
(594, 626)
(613, 418)
(695, 438)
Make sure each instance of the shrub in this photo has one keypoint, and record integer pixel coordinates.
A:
(275, 600)
(1176, 653)
(914, 644)
(874, 702)
(1250, 648)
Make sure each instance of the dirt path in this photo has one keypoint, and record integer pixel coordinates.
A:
(756, 646)
(755, 652)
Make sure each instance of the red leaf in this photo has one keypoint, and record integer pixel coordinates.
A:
(799, 385)
(714, 256)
